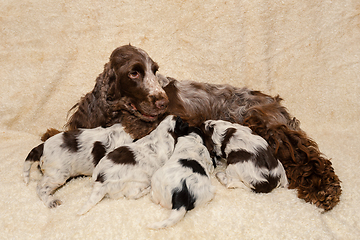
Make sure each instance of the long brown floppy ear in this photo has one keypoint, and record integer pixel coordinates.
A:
(92, 109)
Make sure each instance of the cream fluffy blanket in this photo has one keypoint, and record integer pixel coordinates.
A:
(306, 51)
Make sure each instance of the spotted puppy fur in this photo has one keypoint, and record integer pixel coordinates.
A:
(183, 183)
(126, 171)
(71, 154)
(249, 158)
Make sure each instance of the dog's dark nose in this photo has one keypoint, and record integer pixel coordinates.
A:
(162, 103)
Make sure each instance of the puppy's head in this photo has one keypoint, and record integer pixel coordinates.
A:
(136, 84)
(181, 127)
(207, 128)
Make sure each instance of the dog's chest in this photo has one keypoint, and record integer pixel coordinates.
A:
(135, 127)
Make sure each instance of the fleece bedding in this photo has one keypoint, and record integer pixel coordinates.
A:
(307, 51)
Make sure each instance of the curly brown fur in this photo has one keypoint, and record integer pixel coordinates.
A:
(49, 133)
(115, 100)
(306, 168)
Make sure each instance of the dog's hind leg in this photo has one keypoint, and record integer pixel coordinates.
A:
(231, 182)
(96, 196)
(26, 171)
(45, 188)
(137, 190)
(34, 156)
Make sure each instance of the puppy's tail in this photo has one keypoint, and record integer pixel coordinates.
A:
(34, 156)
(175, 216)
(97, 194)
(280, 171)
(182, 201)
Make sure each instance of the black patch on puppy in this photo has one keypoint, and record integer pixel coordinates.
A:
(182, 198)
(238, 156)
(100, 178)
(181, 128)
(98, 152)
(199, 132)
(35, 154)
(266, 187)
(226, 139)
(208, 142)
(70, 140)
(122, 155)
(193, 165)
(266, 158)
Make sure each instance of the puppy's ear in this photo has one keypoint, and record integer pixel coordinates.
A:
(207, 139)
(198, 131)
(181, 127)
(163, 81)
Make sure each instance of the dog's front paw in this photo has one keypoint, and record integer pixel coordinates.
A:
(54, 203)
(221, 176)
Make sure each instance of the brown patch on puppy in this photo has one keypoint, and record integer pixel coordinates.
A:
(238, 156)
(70, 140)
(122, 155)
(35, 153)
(227, 135)
(266, 187)
(98, 152)
(100, 178)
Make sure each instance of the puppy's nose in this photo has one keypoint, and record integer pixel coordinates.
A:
(162, 103)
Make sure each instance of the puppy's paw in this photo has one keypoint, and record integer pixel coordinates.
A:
(54, 203)
(221, 176)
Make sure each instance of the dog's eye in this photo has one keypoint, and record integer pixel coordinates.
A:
(134, 74)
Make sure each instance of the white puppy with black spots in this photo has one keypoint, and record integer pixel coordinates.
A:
(249, 158)
(183, 183)
(127, 171)
(69, 154)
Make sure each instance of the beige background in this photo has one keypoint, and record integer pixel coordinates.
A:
(307, 51)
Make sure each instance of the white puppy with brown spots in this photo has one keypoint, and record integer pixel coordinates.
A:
(250, 160)
(126, 171)
(69, 154)
(183, 183)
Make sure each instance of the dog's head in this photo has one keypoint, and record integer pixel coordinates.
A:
(135, 85)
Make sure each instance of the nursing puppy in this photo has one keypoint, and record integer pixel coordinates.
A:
(183, 183)
(248, 156)
(126, 171)
(71, 154)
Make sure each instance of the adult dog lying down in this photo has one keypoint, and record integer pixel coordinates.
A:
(130, 91)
